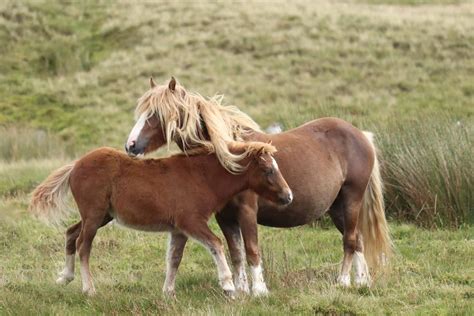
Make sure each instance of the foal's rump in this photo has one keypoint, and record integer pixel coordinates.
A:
(49, 199)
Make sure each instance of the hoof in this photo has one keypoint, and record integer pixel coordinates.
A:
(169, 293)
(362, 282)
(344, 281)
(230, 294)
(242, 287)
(64, 279)
(241, 283)
(89, 292)
(260, 290)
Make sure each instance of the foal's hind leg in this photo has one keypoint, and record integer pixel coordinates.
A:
(202, 233)
(231, 230)
(176, 245)
(90, 226)
(67, 275)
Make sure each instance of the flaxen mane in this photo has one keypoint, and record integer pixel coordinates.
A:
(182, 113)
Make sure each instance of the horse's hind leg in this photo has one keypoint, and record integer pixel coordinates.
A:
(90, 225)
(362, 276)
(202, 233)
(231, 230)
(67, 274)
(349, 202)
(176, 245)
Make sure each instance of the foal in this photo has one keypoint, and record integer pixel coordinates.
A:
(177, 194)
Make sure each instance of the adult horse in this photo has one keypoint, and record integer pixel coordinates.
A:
(176, 194)
(330, 165)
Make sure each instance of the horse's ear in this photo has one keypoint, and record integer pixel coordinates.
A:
(152, 83)
(172, 84)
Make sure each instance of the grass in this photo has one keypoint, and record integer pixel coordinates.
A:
(432, 273)
(69, 77)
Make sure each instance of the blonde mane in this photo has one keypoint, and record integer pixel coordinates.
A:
(181, 114)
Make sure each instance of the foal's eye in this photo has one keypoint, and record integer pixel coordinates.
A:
(269, 172)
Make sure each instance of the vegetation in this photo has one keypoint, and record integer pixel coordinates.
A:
(69, 77)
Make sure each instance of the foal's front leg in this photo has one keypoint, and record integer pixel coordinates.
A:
(177, 242)
(231, 230)
(202, 233)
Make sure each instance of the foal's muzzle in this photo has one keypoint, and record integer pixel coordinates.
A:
(285, 198)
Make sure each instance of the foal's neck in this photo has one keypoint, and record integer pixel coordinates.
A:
(223, 183)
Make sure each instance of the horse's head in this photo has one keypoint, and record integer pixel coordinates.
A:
(265, 177)
(157, 118)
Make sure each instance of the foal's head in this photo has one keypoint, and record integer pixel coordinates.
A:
(264, 175)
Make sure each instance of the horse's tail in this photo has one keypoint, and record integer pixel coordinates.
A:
(372, 223)
(49, 199)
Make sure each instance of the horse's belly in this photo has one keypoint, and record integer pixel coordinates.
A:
(309, 204)
(289, 216)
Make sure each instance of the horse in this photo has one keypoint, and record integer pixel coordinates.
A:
(177, 194)
(331, 166)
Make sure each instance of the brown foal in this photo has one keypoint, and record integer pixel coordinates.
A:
(177, 194)
(330, 165)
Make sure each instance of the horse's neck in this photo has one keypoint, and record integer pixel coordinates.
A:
(256, 136)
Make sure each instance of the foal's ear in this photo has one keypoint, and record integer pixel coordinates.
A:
(172, 84)
(152, 83)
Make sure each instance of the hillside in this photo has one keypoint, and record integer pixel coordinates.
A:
(77, 70)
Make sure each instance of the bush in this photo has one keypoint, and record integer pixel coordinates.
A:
(428, 171)
(24, 143)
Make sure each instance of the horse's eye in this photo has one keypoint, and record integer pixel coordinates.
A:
(269, 172)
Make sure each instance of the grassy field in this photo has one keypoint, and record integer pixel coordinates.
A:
(433, 273)
(70, 74)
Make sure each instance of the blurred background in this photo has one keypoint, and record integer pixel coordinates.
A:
(71, 72)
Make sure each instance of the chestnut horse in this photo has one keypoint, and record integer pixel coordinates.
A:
(177, 194)
(330, 165)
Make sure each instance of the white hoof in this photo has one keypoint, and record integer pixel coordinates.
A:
(64, 279)
(362, 281)
(228, 286)
(260, 289)
(344, 280)
(169, 293)
(89, 291)
(242, 284)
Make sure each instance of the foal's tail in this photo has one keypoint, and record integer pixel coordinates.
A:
(49, 199)
(372, 224)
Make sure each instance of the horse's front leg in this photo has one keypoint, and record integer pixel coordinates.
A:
(247, 216)
(227, 220)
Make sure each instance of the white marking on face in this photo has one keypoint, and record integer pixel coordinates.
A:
(137, 129)
(274, 164)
